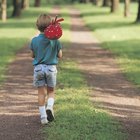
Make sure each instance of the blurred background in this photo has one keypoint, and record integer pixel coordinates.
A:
(114, 22)
(14, 8)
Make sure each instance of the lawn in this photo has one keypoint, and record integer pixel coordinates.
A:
(118, 34)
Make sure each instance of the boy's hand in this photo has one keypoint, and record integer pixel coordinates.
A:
(59, 54)
(32, 54)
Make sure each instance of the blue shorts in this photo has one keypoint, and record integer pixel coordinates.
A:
(45, 75)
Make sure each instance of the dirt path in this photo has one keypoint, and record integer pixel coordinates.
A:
(18, 103)
(110, 88)
(19, 117)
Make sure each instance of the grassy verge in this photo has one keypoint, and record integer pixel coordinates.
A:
(8, 47)
(76, 117)
(118, 34)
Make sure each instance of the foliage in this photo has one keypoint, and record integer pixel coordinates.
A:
(48, 2)
(9, 3)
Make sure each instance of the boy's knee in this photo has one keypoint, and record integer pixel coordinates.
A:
(50, 89)
(41, 90)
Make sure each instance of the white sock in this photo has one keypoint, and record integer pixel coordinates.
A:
(42, 111)
(50, 102)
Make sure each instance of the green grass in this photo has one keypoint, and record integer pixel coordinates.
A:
(8, 47)
(118, 34)
(76, 117)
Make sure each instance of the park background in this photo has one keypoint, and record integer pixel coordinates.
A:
(114, 23)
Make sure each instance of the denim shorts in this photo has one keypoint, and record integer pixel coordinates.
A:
(45, 75)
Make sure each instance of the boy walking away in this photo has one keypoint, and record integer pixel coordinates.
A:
(46, 54)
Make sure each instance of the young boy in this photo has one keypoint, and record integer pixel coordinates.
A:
(45, 53)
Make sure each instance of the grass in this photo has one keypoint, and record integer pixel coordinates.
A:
(118, 34)
(8, 48)
(76, 117)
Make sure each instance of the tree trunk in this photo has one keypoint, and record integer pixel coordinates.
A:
(97, 2)
(138, 14)
(106, 3)
(126, 7)
(114, 6)
(24, 4)
(37, 3)
(84, 1)
(87, 1)
(93, 2)
(17, 8)
(4, 10)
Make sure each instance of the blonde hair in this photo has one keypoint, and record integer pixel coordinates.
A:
(42, 22)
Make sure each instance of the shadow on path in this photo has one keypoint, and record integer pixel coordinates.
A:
(18, 102)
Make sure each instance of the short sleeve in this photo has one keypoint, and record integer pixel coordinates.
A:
(31, 45)
(59, 46)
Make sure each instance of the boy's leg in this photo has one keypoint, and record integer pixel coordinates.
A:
(41, 102)
(50, 103)
(41, 95)
(51, 83)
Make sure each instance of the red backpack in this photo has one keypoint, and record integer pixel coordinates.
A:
(54, 30)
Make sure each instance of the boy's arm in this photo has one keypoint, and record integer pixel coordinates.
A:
(32, 54)
(60, 54)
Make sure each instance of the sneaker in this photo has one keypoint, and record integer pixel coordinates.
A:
(50, 114)
(44, 121)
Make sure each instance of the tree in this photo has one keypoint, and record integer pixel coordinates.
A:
(126, 7)
(138, 14)
(87, 1)
(106, 3)
(114, 5)
(3, 10)
(95, 2)
(17, 8)
(37, 3)
(24, 4)
(84, 1)
(48, 1)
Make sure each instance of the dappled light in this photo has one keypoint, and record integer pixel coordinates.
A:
(17, 102)
(98, 80)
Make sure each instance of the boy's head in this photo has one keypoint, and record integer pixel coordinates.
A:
(42, 22)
